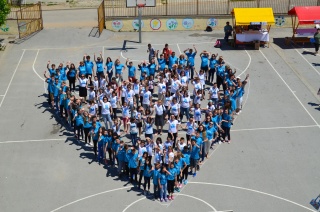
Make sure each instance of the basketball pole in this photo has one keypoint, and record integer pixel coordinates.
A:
(140, 21)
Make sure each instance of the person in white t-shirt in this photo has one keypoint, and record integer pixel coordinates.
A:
(175, 85)
(173, 129)
(146, 99)
(174, 108)
(106, 112)
(214, 95)
(129, 96)
(162, 88)
(159, 110)
(186, 103)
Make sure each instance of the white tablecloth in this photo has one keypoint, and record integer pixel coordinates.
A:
(252, 36)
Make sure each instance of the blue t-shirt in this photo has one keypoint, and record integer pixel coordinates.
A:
(204, 61)
(56, 89)
(195, 152)
(144, 69)
(178, 165)
(79, 120)
(212, 63)
(99, 66)
(89, 65)
(82, 70)
(109, 65)
(118, 68)
(228, 118)
(142, 162)
(50, 85)
(149, 128)
(52, 71)
(115, 145)
(220, 71)
(121, 154)
(63, 73)
(182, 62)
(191, 57)
(131, 71)
(163, 178)
(173, 172)
(210, 132)
(147, 172)
(132, 159)
(155, 175)
(172, 61)
(162, 64)
(72, 73)
(199, 140)
(186, 157)
(152, 68)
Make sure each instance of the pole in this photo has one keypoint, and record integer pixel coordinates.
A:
(140, 21)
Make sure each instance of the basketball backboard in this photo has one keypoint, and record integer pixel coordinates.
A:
(134, 3)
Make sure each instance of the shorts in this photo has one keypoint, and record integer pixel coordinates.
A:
(194, 162)
(51, 97)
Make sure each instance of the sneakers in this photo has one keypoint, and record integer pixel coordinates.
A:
(165, 200)
(194, 174)
(169, 197)
(172, 197)
(145, 193)
(185, 182)
(180, 185)
(161, 200)
(87, 145)
(177, 189)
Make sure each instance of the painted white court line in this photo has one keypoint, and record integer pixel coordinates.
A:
(34, 70)
(201, 200)
(87, 197)
(133, 203)
(178, 48)
(14, 73)
(308, 62)
(275, 128)
(27, 141)
(78, 47)
(293, 93)
(252, 190)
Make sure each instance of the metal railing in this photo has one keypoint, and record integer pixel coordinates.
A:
(117, 8)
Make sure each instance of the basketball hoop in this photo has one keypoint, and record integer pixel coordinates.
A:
(140, 5)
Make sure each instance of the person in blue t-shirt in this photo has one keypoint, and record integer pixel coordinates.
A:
(155, 177)
(89, 66)
(50, 80)
(172, 179)
(162, 181)
(226, 125)
(186, 159)
(191, 55)
(212, 67)
(172, 60)
(119, 68)
(78, 118)
(152, 67)
(95, 131)
(161, 61)
(109, 69)
(121, 155)
(101, 138)
(205, 62)
(194, 156)
(147, 172)
(52, 70)
(143, 69)
(131, 70)
(99, 64)
(71, 75)
(133, 158)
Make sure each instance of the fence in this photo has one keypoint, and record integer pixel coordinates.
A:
(29, 19)
(101, 18)
(117, 8)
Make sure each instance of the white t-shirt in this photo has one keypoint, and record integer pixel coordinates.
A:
(93, 109)
(175, 109)
(105, 109)
(197, 114)
(158, 109)
(184, 80)
(191, 127)
(169, 157)
(167, 100)
(197, 86)
(214, 92)
(83, 82)
(124, 90)
(136, 88)
(92, 96)
(96, 85)
(108, 93)
(146, 97)
(102, 83)
(129, 96)
(197, 99)
(162, 88)
(113, 101)
(100, 98)
(174, 86)
(173, 126)
(181, 146)
(202, 79)
(210, 108)
(125, 112)
(185, 101)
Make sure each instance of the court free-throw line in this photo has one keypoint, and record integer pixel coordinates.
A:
(275, 128)
(289, 89)
(252, 190)
(87, 197)
(14, 73)
(179, 48)
(308, 63)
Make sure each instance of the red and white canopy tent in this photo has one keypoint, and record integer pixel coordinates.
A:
(304, 16)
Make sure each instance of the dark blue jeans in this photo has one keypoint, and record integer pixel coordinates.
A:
(133, 137)
(184, 111)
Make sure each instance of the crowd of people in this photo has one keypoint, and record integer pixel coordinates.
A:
(168, 97)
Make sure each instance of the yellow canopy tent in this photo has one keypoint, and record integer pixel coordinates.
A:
(242, 18)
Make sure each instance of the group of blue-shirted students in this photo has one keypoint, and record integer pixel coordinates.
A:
(169, 163)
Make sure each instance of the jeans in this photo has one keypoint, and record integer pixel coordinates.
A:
(215, 102)
(163, 191)
(110, 76)
(133, 137)
(106, 119)
(184, 111)
(56, 102)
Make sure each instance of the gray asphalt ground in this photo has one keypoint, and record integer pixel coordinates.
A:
(271, 164)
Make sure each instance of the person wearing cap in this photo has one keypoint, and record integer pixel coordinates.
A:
(317, 41)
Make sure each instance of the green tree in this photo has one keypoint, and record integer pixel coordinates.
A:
(4, 11)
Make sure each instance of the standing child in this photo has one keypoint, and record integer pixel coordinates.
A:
(172, 179)
(185, 169)
(155, 176)
(163, 184)
(147, 175)
(194, 157)
(132, 164)
(141, 166)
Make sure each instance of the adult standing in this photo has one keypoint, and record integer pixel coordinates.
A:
(83, 86)
(159, 118)
(191, 55)
(109, 66)
(152, 52)
(227, 31)
(99, 64)
(317, 41)
(166, 53)
(89, 65)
